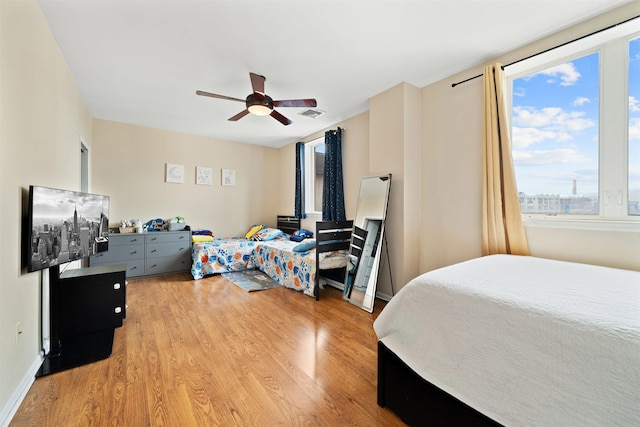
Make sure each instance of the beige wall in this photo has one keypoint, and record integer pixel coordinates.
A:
(451, 171)
(265, 176)
(386, 155)
(395, 148)
(129, 166)
(42, 118)
(451, 164)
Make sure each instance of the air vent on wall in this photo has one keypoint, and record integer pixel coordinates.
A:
(311, 113)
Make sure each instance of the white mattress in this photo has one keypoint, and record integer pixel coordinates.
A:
(330, 260)
(524, 340)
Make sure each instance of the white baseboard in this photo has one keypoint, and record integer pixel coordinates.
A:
(324, 280)
(19, 393)
(383, 297)
(331, 282)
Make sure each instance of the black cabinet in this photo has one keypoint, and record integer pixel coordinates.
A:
(86, 305)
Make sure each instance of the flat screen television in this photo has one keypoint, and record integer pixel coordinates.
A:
(64, 226)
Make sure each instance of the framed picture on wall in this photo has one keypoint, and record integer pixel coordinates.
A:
(203, 176)
(228, 177)
(174, 173)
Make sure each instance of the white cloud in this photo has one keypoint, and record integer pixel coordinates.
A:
(532, 126)
(567, 73)
(551, 118)
(580, 101)
(634, 104)
(519, 91)
(634, 129)
(524, 137)
(548, 157)
(531, 117)
(575, 122)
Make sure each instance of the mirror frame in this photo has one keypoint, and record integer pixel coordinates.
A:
(366, 299)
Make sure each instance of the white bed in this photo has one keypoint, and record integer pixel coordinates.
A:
(524, 340)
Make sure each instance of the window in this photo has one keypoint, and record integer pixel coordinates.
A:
(634, 127)
(314, 175)
(575, 127)
(555, 138)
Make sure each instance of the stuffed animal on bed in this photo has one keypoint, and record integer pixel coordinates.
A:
(300, 235)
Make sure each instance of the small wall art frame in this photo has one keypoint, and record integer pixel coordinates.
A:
(174, 173)
(228, 177)
(203, 176)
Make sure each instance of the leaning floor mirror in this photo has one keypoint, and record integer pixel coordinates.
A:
(366, 242)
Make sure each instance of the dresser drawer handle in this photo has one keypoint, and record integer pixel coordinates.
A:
(133, 253)
(153, 250)
(118, 310)
(116, 286)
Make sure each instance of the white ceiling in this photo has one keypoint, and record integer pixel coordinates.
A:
(141, 61)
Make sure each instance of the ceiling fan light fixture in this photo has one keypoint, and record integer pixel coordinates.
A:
(259, 109)
(260, 104)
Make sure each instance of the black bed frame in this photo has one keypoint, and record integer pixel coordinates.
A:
(417, 401)
(331, 236)
(288, 224)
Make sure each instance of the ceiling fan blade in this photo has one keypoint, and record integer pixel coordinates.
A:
(257, 83)
(295, 103)
(279, 117)
(240, 115)
(213, 95)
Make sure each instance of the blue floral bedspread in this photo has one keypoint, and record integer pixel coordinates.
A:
(294, 270)
(222, 256)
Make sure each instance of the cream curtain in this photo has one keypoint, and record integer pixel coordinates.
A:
(502, 228)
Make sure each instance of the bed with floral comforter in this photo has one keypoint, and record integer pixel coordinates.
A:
(222, 256)
(276, 258)
(295, 270)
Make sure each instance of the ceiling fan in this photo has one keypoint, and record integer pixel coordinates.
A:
(261, 104)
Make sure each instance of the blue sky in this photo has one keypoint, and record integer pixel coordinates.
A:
(634, 120)
(555, 126)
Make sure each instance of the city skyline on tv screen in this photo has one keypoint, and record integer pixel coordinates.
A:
(65, 226)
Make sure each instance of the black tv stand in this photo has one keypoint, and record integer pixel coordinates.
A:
(77, 351)
(86, 305)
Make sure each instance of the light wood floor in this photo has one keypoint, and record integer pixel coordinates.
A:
(207, 353)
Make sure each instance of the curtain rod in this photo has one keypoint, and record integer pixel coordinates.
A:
(552, 48)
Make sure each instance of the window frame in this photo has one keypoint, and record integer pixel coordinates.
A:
(612, 47)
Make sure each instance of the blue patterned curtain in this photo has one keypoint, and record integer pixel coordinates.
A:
(333, 189)
(299, 202)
